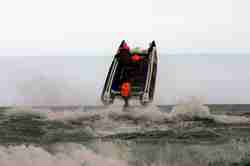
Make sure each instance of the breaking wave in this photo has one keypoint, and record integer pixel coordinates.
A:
(187, 119)
(62, 155)
(126, 154)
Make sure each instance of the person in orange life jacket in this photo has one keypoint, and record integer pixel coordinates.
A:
(125, 91)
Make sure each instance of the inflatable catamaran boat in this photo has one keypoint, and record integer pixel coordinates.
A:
(132, 74)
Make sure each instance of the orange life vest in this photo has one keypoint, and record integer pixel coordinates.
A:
(125, 89)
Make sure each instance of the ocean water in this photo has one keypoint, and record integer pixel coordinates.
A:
(189, 134)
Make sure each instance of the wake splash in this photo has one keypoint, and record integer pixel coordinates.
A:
(187, 116)
(185, 110)
(69, 154)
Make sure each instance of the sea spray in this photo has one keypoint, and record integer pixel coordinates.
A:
(193, 109)
(190, 109)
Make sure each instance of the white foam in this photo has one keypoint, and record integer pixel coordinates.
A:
(114, 116)
(64, 155)
(226, 119)
(123, 154)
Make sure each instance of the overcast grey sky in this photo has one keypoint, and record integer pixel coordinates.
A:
(95, 28)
